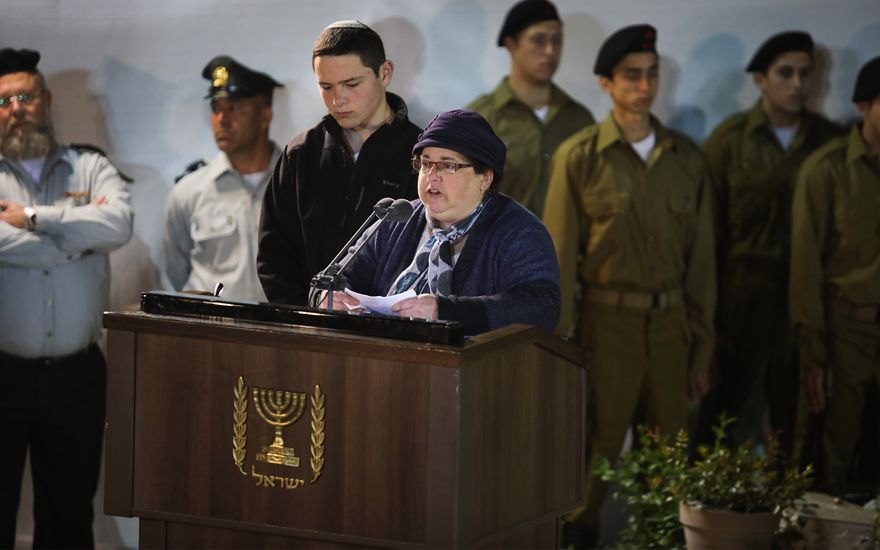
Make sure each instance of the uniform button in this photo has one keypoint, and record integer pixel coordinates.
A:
(49, 334)
(48, 302)
(745, 164)
(46, 272)
(546, 156)
(650, 239)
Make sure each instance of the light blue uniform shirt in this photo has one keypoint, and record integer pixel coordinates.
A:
(55, 280)
(211, 229)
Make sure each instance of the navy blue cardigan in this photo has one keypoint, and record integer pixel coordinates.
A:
(506, 273)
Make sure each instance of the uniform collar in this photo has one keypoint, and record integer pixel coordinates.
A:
(504, 95)
(220, 165)
(59, 153)
(609, 134)
(757, 119)
(857, 148)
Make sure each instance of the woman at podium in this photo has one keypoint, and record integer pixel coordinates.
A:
(467, 253)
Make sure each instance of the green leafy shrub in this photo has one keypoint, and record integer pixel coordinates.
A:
(645, 480)
(741, 480)
(656, 475)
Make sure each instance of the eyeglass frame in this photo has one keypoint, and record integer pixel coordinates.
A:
(23, 98)
(450, 167)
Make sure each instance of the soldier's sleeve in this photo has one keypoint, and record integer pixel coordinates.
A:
(178, 242)
(811, 214)
(562, 221)
(102, 224)
(718, 165)
(700, 288)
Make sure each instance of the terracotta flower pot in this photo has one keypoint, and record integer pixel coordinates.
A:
(707, 528)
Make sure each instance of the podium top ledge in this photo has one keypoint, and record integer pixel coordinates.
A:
(181, 304)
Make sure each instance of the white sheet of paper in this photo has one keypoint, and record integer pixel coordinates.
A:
(381, 304)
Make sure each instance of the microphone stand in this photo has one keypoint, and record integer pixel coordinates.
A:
(328, 278)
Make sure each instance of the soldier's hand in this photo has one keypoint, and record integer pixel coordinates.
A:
(814, 388)
(699, 385)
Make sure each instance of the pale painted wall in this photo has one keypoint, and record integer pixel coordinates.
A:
(126, 74)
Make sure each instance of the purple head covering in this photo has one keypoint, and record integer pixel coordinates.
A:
(466, 132)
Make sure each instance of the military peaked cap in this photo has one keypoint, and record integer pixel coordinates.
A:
(231, 79)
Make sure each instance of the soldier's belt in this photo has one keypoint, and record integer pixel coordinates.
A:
(635, 299)
(857, 312)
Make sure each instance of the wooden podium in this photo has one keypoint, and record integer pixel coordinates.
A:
(241, 434)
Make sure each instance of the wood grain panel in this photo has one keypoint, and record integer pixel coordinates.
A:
(376, 415)
(522, 452)
(119, 426)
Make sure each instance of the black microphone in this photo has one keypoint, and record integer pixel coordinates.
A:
(381, 207)
(400, 210)
(328, 279)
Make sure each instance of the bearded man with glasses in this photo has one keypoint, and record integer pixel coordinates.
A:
(62, 210)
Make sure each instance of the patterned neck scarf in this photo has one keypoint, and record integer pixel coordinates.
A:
(431, 270)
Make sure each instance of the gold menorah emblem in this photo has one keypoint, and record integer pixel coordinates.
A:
(279, 408)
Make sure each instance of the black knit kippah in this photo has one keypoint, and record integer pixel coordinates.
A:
(18, 61)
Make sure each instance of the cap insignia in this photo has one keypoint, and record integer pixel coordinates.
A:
(220, 76)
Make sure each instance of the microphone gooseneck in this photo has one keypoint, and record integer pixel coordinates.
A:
(328, 279)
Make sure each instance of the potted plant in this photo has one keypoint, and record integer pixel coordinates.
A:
(740, 486)
(735, 497)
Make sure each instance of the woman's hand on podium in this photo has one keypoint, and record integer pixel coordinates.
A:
(341, 302)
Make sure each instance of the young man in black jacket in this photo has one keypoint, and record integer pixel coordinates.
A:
(329, 177)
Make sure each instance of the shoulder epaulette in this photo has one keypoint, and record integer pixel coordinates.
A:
(88, 147)
(190, 168)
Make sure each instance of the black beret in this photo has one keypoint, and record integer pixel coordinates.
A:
(526, 14)
(632, 39)
(789, 41)
(468, 133)
(868, 81)
(231, 79)
(18, 61)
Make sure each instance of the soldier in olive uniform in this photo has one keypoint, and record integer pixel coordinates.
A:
(834, 289)
(527, 110)
(754, 157)
(629, 210)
